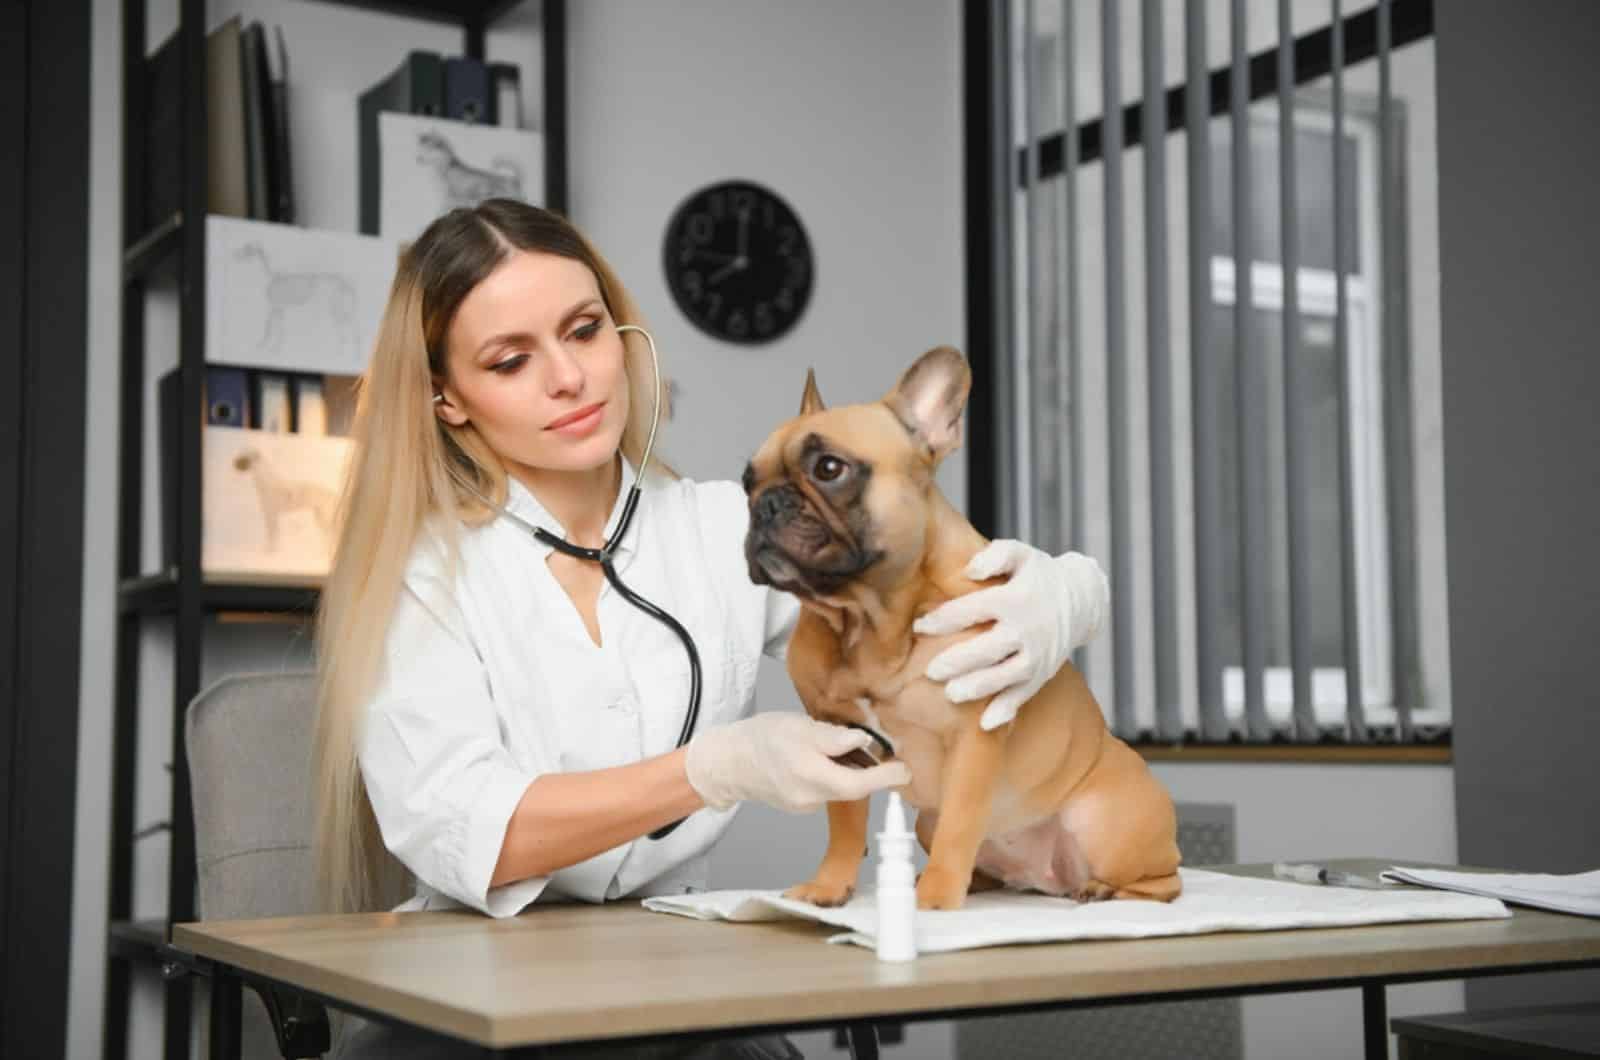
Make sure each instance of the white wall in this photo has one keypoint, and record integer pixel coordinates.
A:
(852, 112)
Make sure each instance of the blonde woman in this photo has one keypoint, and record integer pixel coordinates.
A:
(497, 725)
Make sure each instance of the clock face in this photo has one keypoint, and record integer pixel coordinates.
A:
(738, 262)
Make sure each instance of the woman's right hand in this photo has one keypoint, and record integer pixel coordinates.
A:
(784, 760)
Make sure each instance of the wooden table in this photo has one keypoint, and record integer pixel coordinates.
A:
(569, 973)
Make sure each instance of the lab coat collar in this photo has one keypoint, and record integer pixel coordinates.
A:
(521, 502)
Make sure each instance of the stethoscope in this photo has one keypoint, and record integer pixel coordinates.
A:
(603, 556)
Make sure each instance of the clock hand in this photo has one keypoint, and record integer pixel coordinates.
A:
(716, 255)
(733, 266)
(744, 224)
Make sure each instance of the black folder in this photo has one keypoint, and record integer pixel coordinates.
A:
(415, 87)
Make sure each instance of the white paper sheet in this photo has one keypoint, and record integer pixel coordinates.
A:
(1211, 901)
(1576, 893)
(430, 166)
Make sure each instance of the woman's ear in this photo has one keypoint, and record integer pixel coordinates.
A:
(447, 410)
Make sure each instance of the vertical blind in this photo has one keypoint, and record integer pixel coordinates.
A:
(1240, 475)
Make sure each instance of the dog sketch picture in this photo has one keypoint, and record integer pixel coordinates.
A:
(270, 501)
(430, 166)
(293, 299)
(326, 301)
(461, 184)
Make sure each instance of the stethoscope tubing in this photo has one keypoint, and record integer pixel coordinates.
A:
(603, 556)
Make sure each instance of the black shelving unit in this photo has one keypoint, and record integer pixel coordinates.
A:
(180, 593)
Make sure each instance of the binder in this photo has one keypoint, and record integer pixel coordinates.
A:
(227, 396)
(227, 192)
(505, 95)
(283, 172)
(270, 404)
(467, 96)
(258, 132)
(415, 87)
(310, 410)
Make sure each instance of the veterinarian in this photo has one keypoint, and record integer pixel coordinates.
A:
(497, 723)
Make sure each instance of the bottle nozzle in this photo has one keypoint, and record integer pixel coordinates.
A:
(894, 816)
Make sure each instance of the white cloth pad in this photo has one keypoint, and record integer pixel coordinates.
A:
(1211, 901)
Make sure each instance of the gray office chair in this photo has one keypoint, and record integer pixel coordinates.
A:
(249, 744)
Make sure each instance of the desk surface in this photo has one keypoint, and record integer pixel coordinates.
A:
(559, 973)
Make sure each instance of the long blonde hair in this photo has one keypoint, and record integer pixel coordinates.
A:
(404, 472)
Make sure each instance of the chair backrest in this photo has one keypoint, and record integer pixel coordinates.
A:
(249, 743)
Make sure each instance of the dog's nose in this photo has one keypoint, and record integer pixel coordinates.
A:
(775, 505)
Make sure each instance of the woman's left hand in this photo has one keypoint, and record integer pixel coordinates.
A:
(1046, 609)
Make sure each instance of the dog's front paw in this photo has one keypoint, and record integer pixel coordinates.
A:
(942, 889)
(823, 892)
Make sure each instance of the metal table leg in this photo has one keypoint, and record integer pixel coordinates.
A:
(226, 998)
(863, 1040)
(1375, 1021)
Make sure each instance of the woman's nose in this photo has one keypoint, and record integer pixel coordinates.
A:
(565, 373)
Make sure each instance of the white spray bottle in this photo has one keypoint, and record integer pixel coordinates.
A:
(896, 886)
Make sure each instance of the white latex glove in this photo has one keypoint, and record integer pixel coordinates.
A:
(1048, 608)
(784, 760)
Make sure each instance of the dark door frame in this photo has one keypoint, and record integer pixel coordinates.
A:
(44, 223)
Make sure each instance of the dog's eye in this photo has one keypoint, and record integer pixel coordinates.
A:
(828, 468)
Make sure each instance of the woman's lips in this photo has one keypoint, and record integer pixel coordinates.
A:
(580, 422)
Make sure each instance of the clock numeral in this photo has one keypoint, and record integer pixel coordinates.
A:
(716, 306)
(718, 204)
(786, 237)
(768, 212)
(743, 202)
(686, 251)
(702, 227)
(694, 285)
(764, 319)
(799, 269)
(738, 324)
(785, 300)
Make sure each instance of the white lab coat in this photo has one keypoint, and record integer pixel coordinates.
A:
(492, 680)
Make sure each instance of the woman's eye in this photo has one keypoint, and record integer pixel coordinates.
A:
(587, 332)
(509, 365)
(828, 468)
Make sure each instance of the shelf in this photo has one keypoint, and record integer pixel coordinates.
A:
(149, 250)
(157, 594)
(459, 12)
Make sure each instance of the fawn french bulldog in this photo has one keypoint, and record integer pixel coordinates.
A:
(845, 513)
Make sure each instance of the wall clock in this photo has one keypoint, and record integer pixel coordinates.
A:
(738, 262)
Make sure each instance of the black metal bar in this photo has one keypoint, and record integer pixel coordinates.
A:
(553, 26)
(151, 249)
(1249, 408)
(1158, 309)
(1350, 600)
(1297, 476)
(1125, 721)
(1199, 102)
(1412, 22)
(983, 148)
(191, 372)
(472, 27)
(1375, 1021)
(129, 509)
(226, 1002)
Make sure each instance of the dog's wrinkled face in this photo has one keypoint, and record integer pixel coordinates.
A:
(839, 497)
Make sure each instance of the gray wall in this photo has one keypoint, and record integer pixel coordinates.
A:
(1518, 219)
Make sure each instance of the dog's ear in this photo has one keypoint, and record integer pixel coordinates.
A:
(811, 401)
(930, 397)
